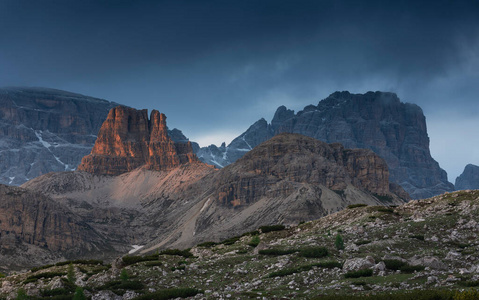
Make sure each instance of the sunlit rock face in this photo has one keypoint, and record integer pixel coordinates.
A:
(378, 121)
(469, 179)
(128, 139)
(46, 130)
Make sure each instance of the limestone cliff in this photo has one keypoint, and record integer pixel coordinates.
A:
(128, 139)
(28, 217)
(45, 130)
(378, 121)
(469, 179)
(297, 158)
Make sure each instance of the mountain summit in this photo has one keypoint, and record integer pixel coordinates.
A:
(128, 140)
(378, 121)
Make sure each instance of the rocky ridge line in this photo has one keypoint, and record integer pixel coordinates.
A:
(378, 121)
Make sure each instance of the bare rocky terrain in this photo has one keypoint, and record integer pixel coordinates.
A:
(425, 249)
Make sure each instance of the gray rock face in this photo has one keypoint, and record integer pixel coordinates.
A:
(469, 179)
(44, 130)
(378, 121)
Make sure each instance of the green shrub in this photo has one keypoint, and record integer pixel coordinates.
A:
(22, 295)
(270, 228)
(124, 275)
(35, 277)
(185, 253)
(329, 264)
(314, 252)
(254, 241)
(472, 294)
(79, 294)
(417, 236)
(284, 272)
(387, 210)
(122, 285)
(251, 233)
(277, 251)
(34, 269)
(207, 244)
(364, 242)
(230, 241)
(2, 275)
(80, 262)
(169, 294)
(394, 264)
(130, 260)
(411, 269)
(339, 243)
(359, 273)
(351, 206)
(71, 274)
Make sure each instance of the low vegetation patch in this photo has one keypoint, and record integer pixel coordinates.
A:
(387, 210)
(417, 237)
(207, 244)
(185, 253)
(270, 228)
(230, 241)
(277, 252)
(123, 285)
(351, 206)
(35, 269)
(169, 294)
(411, 269)
(33, 278)
(130, 260)
(394, 264)
(363, 242)
(314, 252)
(80, 262)
(359, 273)
(254, 241)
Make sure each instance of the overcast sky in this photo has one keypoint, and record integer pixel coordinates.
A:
(215, 67)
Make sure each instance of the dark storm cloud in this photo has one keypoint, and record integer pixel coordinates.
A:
(205, 63)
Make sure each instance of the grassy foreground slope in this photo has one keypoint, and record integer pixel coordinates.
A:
(427, 247)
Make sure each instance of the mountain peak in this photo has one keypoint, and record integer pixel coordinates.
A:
(128, 140)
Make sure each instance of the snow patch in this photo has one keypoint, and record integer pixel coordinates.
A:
(205, 205)
(135, 248)
(243, 138)
(48, 145)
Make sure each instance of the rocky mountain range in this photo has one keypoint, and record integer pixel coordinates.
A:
(469, 179)
(171, 199)
(46, 130)
(378, 121)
